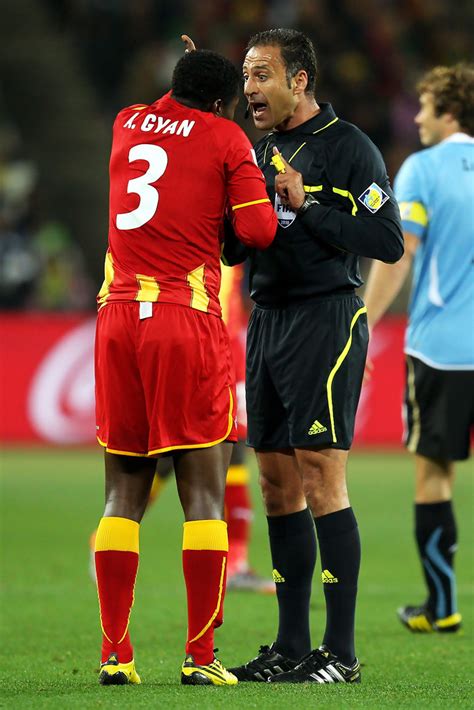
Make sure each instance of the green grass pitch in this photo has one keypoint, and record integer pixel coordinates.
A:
(52, 499)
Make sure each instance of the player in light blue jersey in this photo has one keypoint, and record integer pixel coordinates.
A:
(435, 189)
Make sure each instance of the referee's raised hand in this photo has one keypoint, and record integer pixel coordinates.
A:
(289, 185)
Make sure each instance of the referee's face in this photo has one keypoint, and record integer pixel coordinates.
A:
(271, 101)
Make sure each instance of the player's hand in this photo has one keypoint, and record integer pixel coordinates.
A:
(368, 370)
(189, 45)
(289, 185)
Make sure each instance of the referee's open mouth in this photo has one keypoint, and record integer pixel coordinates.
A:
(258, 109)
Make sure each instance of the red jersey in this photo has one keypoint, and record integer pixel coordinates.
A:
(174, 172)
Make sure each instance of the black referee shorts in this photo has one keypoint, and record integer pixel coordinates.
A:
(305, 365)
(439, 411)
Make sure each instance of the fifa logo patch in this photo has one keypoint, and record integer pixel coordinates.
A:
(373, 197)
(285, 214)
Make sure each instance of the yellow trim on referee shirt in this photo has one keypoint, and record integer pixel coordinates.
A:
(205, 535)
(336, 367)
(296, 152)
(414, 212)
(326, 126)
(414, 436)
(349, 195)
(249, 204)
(119, 534)
(149, 288)
(312, 188)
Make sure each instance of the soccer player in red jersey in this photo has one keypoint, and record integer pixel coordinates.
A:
(164, 380)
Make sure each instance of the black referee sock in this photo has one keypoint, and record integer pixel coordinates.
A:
(436, 535)
(339, 544)
(293, 548)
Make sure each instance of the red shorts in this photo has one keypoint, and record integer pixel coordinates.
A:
(164, 382)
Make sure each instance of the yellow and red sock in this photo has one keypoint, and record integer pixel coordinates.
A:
(238, 515)
(205, 548)
(116, 564)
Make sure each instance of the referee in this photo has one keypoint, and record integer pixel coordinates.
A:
(435, 188)
(307, 344)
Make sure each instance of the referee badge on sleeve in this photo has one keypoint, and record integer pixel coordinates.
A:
(373, 197)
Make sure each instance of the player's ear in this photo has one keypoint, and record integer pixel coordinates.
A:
(217, 107)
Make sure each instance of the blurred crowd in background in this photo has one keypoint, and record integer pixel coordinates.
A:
(67, 66)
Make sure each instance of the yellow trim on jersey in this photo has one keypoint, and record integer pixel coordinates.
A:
(119, 534)
(205, 535)
(201, 446)
(296, 151)
(219, 597)
(248, 204)
(109, 277)
(196, 281)
(326, 126)
(312, 188)
(414, 212)
(238, 475)
(227, 280)
(149, 288)
(179, 446)
(336, 367)
(117, 451)
(414, 436)
(349, 195)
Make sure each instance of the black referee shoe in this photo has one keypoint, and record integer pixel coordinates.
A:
(268, 664)
(320, 666)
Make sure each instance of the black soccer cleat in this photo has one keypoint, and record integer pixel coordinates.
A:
(267, 664)
(320, 666)
(419, 620)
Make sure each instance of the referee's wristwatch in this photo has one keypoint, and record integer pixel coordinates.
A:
(309, 201)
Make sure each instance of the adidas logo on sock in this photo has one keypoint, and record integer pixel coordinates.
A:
(317, 428)
(277, 578)
(328, 578)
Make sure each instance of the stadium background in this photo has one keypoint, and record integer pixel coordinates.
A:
(66, 66)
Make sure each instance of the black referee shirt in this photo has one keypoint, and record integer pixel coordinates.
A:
(316, 254)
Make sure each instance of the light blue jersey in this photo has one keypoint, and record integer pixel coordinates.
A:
(435, 189)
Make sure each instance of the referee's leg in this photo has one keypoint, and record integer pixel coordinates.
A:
(324, 483)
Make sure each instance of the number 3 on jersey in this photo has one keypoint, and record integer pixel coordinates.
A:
(157, 160)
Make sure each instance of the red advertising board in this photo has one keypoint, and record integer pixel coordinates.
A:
(47, 381)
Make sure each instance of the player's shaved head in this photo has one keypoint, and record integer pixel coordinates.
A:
(202, 77)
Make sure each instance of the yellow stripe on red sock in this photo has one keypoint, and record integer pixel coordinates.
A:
(120, 534)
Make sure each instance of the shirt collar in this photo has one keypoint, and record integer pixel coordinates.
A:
(459, 137)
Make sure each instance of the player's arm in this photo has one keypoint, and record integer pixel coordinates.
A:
(373, 233)
(251, 213)
(233, 250)
(386, 280)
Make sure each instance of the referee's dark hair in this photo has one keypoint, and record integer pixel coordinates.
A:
(202, 77)
(296, 49)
